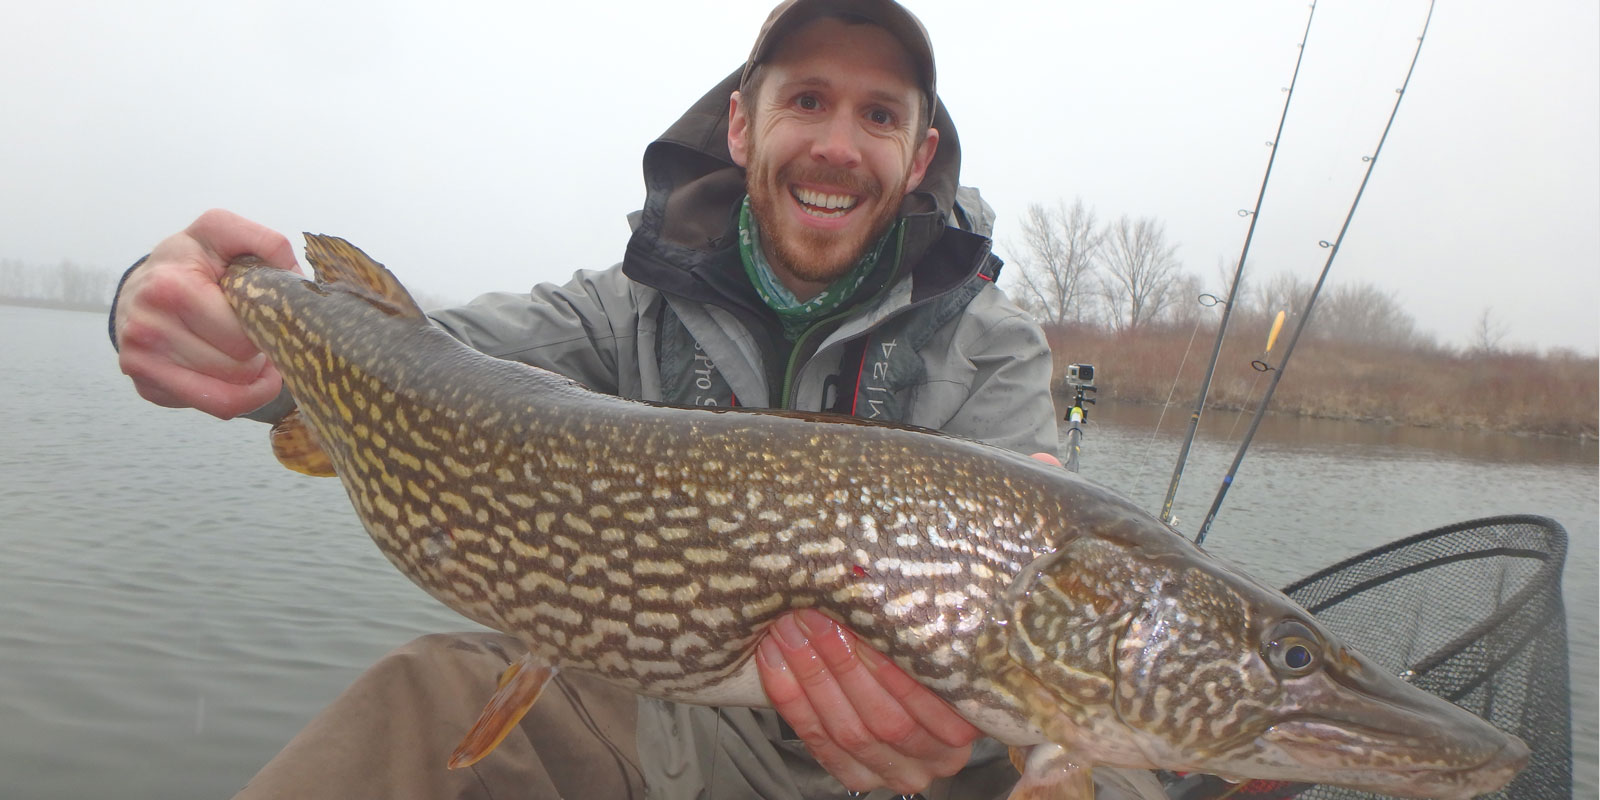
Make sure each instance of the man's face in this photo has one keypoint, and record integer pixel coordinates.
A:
(830, 146)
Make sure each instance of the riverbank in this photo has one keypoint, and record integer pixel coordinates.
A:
(1552, 394)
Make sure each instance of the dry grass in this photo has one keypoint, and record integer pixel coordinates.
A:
(1553, 394)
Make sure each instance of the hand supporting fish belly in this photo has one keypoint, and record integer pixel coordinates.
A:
(652, 546)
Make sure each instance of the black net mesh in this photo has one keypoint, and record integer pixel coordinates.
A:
(1471, 612)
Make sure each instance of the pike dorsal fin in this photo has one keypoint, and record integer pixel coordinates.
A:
(341, 264)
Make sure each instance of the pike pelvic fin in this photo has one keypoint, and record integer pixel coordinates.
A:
(341, 265)
(297, 448)
(1049, 774)
(520, 686)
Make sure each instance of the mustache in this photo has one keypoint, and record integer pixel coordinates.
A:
(851, 182)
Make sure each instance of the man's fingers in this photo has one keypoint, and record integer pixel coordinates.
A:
(174, 311)
(855, 714)
(879, 710)
(224, 236)
(927, 708)
(790, 700)
(175, 388)
(213, 321)
(179, 339)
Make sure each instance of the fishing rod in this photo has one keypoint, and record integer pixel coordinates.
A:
(1238, 273)
(1305, 316)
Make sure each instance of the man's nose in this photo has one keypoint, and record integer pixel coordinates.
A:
(836, 142)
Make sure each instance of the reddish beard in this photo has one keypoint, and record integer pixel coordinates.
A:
(812, 255)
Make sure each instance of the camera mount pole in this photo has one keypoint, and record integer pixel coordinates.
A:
(1233, 289)
(1076, 416)
(1305, 316)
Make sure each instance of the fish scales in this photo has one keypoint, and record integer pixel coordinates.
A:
(653, 545)
(532, 523)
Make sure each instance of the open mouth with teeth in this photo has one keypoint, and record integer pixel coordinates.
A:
(821, 204)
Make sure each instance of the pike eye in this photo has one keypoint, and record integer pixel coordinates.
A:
(1291, 648)
(1297, 657)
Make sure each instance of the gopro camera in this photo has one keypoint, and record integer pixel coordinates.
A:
(1080, 374)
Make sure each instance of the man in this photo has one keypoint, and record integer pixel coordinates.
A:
(801, 245)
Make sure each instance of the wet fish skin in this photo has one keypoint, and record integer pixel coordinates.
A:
(652, 545)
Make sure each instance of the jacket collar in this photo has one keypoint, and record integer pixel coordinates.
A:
(686, 240)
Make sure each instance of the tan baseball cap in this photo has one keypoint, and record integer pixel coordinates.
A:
(887, 14)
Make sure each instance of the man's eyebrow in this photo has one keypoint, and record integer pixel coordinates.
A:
(819, 82)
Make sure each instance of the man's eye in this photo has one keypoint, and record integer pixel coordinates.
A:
(807, 102)
(881, 117)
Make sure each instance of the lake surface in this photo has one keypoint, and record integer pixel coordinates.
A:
(176, 605)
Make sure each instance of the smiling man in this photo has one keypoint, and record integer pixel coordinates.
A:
(803, 244)
(832, 130)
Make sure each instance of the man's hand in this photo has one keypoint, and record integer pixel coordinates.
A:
(177, 337)
(863, 718)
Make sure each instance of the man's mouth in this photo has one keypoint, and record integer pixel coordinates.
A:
(822, 204)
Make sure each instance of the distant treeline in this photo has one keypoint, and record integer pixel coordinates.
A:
(1114, 294)
(66, 285)
(1417, 383)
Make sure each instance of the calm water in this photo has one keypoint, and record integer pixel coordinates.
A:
(175, 605)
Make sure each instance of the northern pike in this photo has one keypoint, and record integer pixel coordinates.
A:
(652, 546)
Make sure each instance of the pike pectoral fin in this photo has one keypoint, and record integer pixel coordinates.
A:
(296, 447)
(520, 686)
(1048, 774)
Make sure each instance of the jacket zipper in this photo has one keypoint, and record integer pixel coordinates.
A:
(792, 369)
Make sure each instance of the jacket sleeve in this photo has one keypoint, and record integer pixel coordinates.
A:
(1007, 366)
(584, 329)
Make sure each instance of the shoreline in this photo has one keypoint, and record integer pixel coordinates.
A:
(57, 305)
(1063, 400)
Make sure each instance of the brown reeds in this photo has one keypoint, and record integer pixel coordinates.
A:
(1556, 393)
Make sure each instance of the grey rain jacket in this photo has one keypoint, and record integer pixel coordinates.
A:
(928, 341)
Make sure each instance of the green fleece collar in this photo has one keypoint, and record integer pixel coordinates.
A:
(794, 314)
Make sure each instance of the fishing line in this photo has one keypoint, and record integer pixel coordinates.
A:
(1144, 455)
(1251, 392)
(1260, 366)
(1305, 316)
(1238, 273)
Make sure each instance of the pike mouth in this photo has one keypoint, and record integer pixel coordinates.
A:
(823, 204)
(1438, 776)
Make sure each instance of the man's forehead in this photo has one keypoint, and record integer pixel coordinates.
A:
(829, 45)
(902, 26)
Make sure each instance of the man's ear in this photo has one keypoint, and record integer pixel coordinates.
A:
(919, 160)
(738, 131)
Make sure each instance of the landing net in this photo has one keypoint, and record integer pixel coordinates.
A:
(1471, 612)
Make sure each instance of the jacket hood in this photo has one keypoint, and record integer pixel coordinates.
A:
(693, 189)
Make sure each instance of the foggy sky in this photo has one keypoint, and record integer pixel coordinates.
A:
(493, 146)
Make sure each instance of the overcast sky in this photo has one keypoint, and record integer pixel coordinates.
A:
(496, 145)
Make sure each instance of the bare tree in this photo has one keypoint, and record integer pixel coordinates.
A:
(1060, 246)
(1282, 292)
(1140, 271)
(82, 285)
(1224, 278)
(1488, 333)
(1363, 313)
(1185, 309)
(15, 278)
